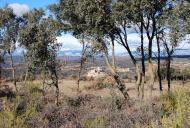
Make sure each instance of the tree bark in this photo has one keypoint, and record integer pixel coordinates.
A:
(120, 85)
(82, 61)
(151, 76)
(113, 54)
(142, 59)
(158, 71)
(79, 75)
(137, 67)
(13, 71)
(0, 74)
(54, 78)
(168, 65)
(138, 82)
(169, 71)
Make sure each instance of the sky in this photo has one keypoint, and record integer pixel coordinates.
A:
(68, 41)
(30, 3)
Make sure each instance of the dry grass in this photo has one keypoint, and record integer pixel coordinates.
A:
(94, 108)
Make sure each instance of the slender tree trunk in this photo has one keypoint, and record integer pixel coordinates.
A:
(54, 78)
(79, 76)
(151, 76)
(82, 61)
(57, 92)
(169, 71)
(120, 85)
(26, 76)
(158, 71)
(137, 67)
(168, 65)
(13, 72)
(142, 60)
(150, 68)
(113, 55)
(0, 74)
(138, 81)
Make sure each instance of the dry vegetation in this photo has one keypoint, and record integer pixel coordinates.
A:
(99, 104)
(98, 89)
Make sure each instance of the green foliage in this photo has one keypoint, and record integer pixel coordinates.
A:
(116, 101)
(98, 122)
(38, 37)
(186, 73)
(85, 16)
(173, 72)
(9, 30)
(180, 75)
(11, 118)
(175, 108)
(101, 84)
(169, 102)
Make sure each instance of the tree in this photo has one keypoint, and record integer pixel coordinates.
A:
(171, 39)
(5, 15)
(142, 15)
(38, 37)
(92, 19)
(123, 15)
(85, 54)
(10, 36)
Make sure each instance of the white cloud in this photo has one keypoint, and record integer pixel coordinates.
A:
(19, 9)
(69, 43)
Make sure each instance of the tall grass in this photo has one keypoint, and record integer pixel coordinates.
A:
(22, 108)
(175, 110)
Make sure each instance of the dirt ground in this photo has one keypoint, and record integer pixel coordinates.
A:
(68, 87)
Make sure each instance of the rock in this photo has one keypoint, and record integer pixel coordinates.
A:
(95, 73)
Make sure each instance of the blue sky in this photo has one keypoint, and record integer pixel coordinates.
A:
(68, 41)
(30, 3)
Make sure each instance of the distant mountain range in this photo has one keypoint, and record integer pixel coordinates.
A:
(177, 53)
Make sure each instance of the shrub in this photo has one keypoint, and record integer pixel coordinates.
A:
(176, 113)
(98, 122)
(102, 83)
(116, 101)
(21, 110)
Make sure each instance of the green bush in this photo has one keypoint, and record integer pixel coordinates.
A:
(101, 84)
(22, 108)
(99, 122)
(175, 110)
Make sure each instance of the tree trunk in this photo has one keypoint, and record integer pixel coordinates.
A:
(113, 55)
(120, 84)
(55, 83)
(57, 93)
(0, 74)
(13, 71)
(169, 71)
(151, 76)
(151, 73)
(79, 73)
(138, 81)
(26, 76)
(121, 87)
(126, 46)
(82, 60)
(142, 60)
(158, 71)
